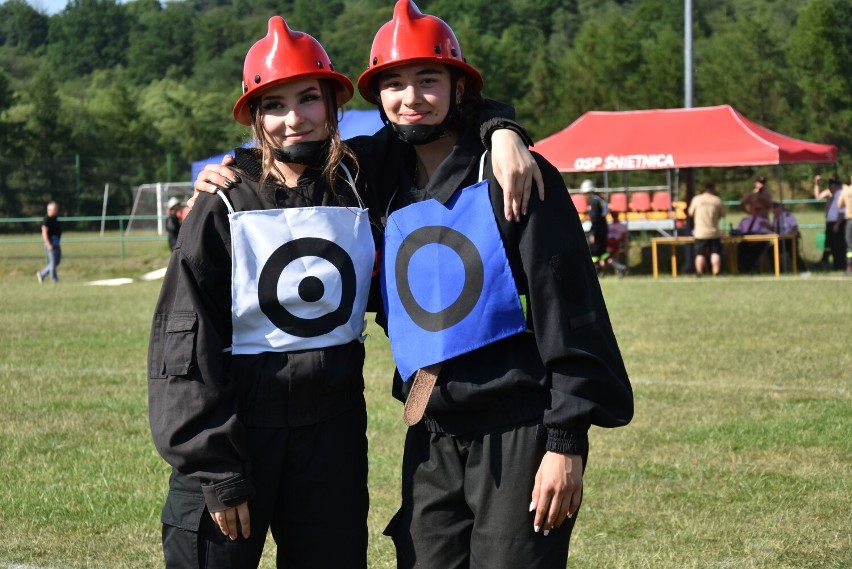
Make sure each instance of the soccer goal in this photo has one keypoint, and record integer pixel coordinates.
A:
(149, 204)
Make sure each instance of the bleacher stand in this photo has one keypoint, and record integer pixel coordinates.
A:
(640, 205)
(618, 202)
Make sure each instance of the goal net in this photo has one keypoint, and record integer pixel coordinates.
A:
(149, 204)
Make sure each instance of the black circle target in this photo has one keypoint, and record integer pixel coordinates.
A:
(309, 288)
(474, 276)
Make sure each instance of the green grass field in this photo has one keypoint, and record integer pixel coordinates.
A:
(740, 454)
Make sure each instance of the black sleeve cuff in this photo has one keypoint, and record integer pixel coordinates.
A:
(227, 494)
(565, 442)
(496, 123)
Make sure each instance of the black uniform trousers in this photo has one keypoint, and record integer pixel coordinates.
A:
(311, 491)
(465, 503)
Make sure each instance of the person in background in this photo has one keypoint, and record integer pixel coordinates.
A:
(597, 238)
(835, 242)
(752, 256)
(759, 201)
(498, 400)
(616, 245)
(706, 210)
(51, 234)
(173, 220)
(844, 203)
(754, 225)
(784, 223)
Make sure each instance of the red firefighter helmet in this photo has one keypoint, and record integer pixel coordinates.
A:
(413, 37)
(283, 55)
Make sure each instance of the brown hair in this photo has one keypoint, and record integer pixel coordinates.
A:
(337, 152)
(470, 104)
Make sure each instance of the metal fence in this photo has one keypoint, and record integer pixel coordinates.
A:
(89, 229)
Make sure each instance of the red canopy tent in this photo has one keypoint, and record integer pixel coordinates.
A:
(673, 138)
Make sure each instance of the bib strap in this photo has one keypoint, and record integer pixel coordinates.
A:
(482, 165)
(221, 194)
(352, 185)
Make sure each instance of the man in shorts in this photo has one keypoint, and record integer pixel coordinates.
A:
(706, 209)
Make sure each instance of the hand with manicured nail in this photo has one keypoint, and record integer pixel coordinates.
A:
(558, 490)
(214, 177)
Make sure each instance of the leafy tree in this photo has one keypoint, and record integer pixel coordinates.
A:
(123, 85)
(487, 17)
(821, 60)
(540, 110)
(22, 26)
(45, 167)
(661, 71)
(5, 92)
(312, 16)
(743, 65)
(124, 132)
(506, 63)
(9, 147)
(87, 35)
(219, 49)
(349, 44)
(602, 63)
(158, 42)
(190, 125)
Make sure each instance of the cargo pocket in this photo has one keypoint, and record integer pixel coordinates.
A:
(179, 344)
(183, 510)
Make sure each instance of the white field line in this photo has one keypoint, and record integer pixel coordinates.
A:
(110, 282)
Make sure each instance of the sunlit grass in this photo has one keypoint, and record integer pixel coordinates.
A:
(738, 457)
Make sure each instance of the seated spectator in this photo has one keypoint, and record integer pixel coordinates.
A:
(616, 245)
(754, 225)
(616, 235)
(753, 256)
(783, 222)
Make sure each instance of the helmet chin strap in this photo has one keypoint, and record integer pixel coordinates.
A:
(417, 134)
(311, 154)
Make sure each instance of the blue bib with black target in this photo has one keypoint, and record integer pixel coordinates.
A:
(300, 277)
(447, 285)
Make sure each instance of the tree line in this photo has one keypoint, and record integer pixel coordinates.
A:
(130, 93)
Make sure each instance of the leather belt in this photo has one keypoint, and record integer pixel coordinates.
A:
(421, 389)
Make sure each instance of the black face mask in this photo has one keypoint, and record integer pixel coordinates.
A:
(312, 154)
(419, 133)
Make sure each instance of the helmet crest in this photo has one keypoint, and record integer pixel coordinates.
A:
(281, 56)
(413, 37)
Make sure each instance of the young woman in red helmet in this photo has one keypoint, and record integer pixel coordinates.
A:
(506, 356)
(256, 351)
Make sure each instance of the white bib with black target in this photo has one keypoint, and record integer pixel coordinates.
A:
(300, 276)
